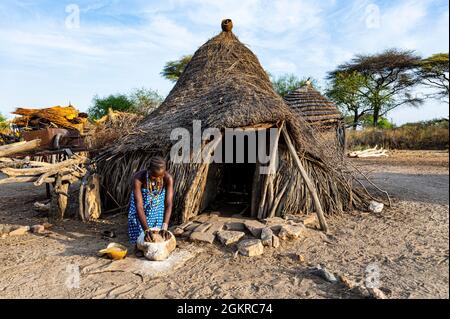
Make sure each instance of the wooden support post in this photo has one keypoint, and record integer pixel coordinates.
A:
(60, 198)
(308, 182)
(265, 203)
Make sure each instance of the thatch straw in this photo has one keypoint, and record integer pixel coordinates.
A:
(225, 86)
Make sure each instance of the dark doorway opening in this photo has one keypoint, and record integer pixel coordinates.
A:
(229, 188)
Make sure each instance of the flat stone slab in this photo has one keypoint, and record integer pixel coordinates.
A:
(255, 227)
(215, 227)
(149, 268)
(228, 237)
(202, 237)
(236, 226)
(203, 227)
(292, 231)
(251, 247)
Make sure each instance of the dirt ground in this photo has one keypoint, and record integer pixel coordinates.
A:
(408, 243)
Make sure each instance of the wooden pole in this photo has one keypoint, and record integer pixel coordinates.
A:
(268, 181)
(308, 182)
(10, 149)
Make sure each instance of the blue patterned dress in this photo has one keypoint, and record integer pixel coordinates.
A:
(153, 210)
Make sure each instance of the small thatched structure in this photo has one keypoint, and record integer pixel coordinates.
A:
(224, 86)
(320, 113)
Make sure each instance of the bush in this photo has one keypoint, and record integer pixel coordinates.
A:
(430, 135)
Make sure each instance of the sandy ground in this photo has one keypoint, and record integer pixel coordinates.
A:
(408, 243)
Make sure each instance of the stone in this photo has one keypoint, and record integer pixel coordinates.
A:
(376, 293)
(186, 234)
(275, 241)
(38, 229)
(202, 218)
(185, 225)
(228, 237)
(47, 225)
(311, 221)
(325, 274)
(251, 247)
(5, 229)
(237, 226)
(300, 258)
(214, 214)
(266, 236)
(178, 231)
(41, 207)
(215, 227)
(202, 237)
(20, 231)
(376, 207)
(255, 227)
(156, 251)
(202, 227)
(292, 231)
(191, 226)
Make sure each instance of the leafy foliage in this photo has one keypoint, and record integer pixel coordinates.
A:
(388, 80)
(434, 73)
(173, 69)
(287, 83)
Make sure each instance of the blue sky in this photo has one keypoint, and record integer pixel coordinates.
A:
(46, 58)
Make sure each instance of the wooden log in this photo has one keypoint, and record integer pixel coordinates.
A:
(11, 149)
(92, 202)
(13, 172)
(60, 198)
(268, 182)
(308, 182)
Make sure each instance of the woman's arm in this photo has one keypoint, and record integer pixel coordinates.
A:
(168, 200)
(139, 201)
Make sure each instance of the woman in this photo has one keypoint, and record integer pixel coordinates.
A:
(151, 201)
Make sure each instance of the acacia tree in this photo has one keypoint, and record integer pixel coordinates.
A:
(173, 69)
(389, 79)
(434, 73)
(345, 90)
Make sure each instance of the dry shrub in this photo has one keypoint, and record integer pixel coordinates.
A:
(408, 137)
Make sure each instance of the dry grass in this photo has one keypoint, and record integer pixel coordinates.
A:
(410, 137)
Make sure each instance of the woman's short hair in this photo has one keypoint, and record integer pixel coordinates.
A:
(157, 164)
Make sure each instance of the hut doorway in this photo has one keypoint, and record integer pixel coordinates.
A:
(229, 188)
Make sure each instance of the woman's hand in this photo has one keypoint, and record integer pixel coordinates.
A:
(165, 234)
(149, 237)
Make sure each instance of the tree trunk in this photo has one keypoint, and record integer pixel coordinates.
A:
(355, 120)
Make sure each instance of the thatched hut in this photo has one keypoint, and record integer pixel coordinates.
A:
(320, 113)
(224, 86)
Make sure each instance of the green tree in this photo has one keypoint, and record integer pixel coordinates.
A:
(173, 69)
(383, 123)
(287, 83)
(117, 102)
(345, 89)
(434, 73)
(390, 77)
(3, 122)
(145, 100)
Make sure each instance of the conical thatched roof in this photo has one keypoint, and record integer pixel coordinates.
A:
(315, 108)
(224, 85)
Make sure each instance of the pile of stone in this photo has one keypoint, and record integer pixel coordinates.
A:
(10, 231)
(249, 235)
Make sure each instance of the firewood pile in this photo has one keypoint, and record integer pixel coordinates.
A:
(77, 170)
(371, 152)
(58, 116)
